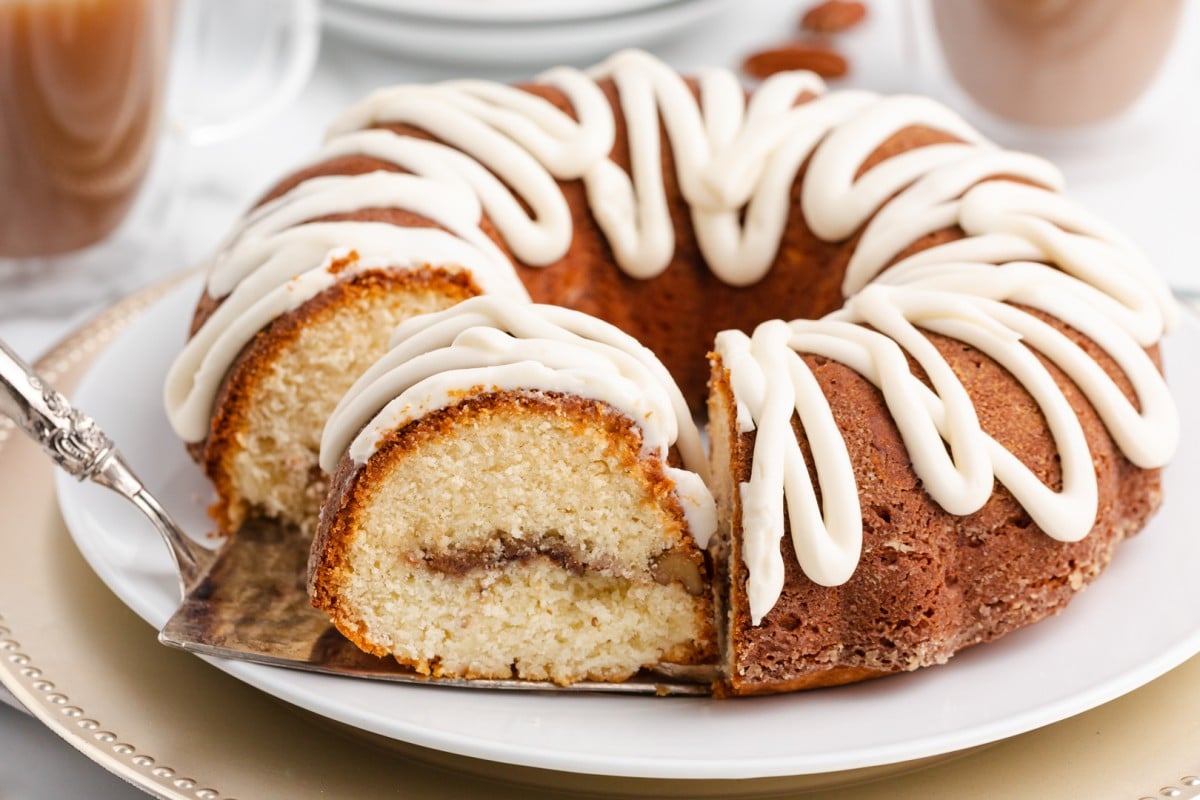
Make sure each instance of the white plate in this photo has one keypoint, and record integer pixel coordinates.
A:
(505, 10)
(574, 41)
(1138, 621)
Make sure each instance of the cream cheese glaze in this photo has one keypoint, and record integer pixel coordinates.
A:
(502, 149)
(489, 343)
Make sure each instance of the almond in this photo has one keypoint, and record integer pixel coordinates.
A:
(833, 16)
(795, 56)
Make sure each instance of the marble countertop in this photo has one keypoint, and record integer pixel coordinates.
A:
(1138, 172)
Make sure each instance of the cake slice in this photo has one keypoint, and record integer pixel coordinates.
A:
(298, 304)
(506, 502)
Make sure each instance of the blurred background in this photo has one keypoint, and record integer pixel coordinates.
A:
(1108, 89)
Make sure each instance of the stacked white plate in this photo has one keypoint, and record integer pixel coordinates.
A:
(516, 32)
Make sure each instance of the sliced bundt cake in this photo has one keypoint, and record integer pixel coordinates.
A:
(951, 455)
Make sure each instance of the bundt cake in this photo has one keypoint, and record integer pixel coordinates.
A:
(934, 396)
(517, 515)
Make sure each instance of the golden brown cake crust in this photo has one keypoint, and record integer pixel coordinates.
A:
(929, 583)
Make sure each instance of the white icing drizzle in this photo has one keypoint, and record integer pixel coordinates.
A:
(502, 151)
(489, 344)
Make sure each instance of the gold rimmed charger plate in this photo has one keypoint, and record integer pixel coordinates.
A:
(177, 727)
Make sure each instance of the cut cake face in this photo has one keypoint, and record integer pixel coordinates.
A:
(478, 528)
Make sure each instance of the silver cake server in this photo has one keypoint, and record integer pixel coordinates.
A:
(248, 601)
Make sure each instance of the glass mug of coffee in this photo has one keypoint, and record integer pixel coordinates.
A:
(83, 87)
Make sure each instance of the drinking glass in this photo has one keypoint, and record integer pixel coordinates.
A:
(90, 141)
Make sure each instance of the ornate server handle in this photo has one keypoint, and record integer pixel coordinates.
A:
(74, 441)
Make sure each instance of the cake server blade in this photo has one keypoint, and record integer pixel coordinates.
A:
(248, 601)
(252, 605)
